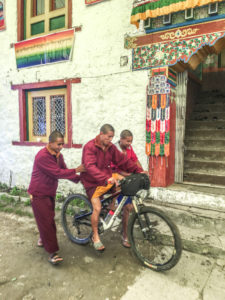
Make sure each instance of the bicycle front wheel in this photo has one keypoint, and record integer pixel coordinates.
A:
(76, 218)
(155, 239)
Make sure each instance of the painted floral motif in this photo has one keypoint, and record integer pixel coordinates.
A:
(167, 54)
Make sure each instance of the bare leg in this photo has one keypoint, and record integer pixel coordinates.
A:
(126, 211)
(96, 203)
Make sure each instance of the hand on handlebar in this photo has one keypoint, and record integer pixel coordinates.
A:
(112, 180)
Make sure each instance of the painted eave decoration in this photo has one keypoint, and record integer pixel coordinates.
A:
(144, 9)
(44, 50)
(89, 2)
(166, 48)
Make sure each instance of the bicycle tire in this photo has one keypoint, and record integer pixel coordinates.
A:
(161, 248)
(77, 229)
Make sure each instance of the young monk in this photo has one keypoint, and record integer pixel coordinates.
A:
(124, 145)
(49, 166)
(98, 155)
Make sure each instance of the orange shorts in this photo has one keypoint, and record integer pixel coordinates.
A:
(101, 190)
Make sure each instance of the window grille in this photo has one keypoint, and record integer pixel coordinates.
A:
(39, 116)
(58, 113)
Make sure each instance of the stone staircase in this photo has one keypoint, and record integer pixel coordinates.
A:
(204, 155)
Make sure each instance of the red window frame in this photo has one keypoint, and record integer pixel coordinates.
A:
(23, 88)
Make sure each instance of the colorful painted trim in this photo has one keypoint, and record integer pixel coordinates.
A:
(153, 9)
(43, 50)
(166, 48)
(2, 15)
(88, 2)
(158, 114)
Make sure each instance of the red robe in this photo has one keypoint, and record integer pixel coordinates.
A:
(47, 169)
(97, 163)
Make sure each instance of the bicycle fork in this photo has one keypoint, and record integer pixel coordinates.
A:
(145, 225)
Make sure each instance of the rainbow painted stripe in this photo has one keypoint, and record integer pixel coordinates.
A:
(44, 50)
(88, 2)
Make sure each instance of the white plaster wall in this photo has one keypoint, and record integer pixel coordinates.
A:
(108, 93)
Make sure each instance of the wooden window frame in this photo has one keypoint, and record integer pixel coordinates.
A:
(21, 20)
(23, 88)
(47, 94)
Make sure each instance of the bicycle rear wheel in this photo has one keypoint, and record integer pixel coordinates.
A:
(155, 239)
(76, 218)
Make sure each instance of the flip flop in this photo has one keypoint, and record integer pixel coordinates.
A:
(125, 243)
(55, 259)
(98, 246)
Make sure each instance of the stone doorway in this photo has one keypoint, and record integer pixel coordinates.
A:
(201, 124)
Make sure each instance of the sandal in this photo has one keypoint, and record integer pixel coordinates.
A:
(39, 243)
(125, 243)
(55, 259)
(98, 246)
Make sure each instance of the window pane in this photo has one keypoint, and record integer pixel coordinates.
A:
(40, 7)
(57, 22)
(58, 113)
(58, 4)
(39, 116)
(37, 28)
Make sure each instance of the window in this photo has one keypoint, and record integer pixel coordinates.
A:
(167, 19)
(43, 108)
(213, 8)
(189, 14)
(45, 16)
(40, 17)
(46, 110)
(147, 23)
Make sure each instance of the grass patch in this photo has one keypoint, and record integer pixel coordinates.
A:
(15, 191)
(11, 205)
(60, 198)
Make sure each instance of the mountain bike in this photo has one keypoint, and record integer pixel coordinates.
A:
(155, 240)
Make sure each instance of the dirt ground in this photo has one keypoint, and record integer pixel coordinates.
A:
(26, 274)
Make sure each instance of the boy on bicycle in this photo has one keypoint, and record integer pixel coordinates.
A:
(98, 154)
(124, 145)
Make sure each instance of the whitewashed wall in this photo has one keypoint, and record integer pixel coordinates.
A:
(108, 93)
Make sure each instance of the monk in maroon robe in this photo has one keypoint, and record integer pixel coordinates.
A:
(49, 166)
(98, 156)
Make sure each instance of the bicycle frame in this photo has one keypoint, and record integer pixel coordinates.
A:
(116, 213)
(106, 226)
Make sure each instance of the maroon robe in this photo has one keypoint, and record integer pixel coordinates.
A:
(48, 168)
(98, 162)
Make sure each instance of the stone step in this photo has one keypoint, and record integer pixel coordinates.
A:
(205, 155)
(206, 125)
(203, 177)
(202, 234)
(209, 107)
(199, 213)
(210, 98)
(212, 167)
(205, 134)
(205, 144)
(208, 116)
